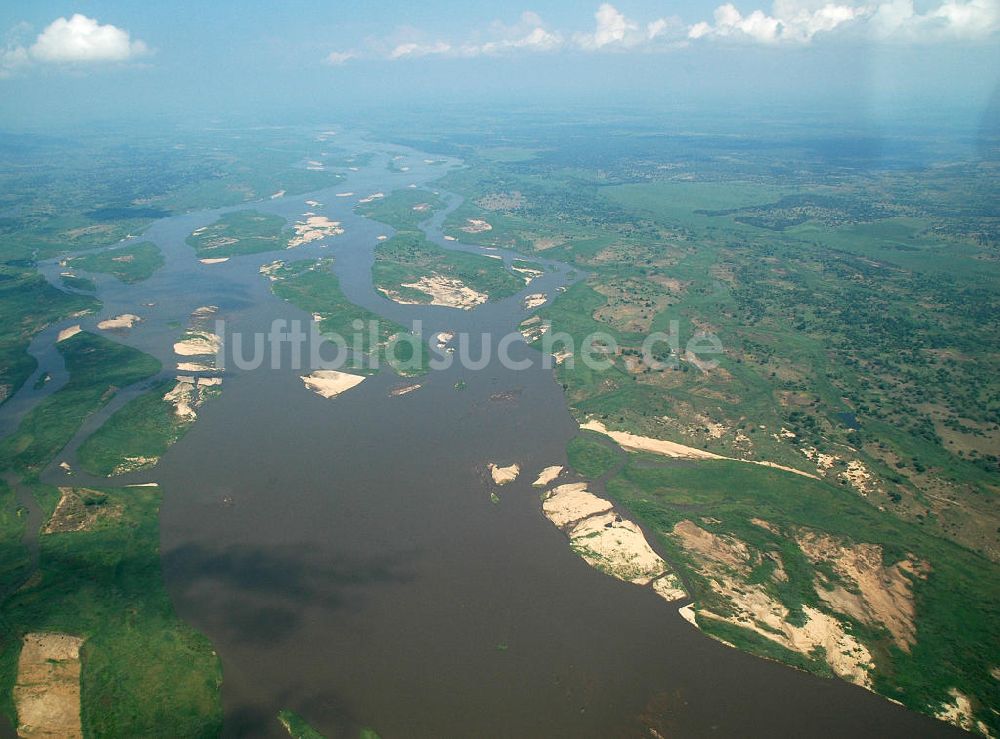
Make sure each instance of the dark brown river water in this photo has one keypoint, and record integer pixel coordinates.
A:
(347, 562)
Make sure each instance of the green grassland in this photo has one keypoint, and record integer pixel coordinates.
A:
(837, 303)
(312, 286)
(956, 608)
(857, 319)
(13, 556)
(144, 428)
(142, 669)
(97, 368)
(130, 264)
(402, 209)
(408, 256)
(105, 583)
(590, 455)
(296, 726)
(238, 233)
(28, 303)
(83, 284)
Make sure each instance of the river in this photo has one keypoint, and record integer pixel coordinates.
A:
(346, 559)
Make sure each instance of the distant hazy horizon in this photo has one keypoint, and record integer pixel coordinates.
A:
(103, 62)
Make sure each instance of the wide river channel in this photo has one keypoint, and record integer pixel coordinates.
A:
(345, 556)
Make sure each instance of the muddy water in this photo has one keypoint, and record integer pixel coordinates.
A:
(347, 561)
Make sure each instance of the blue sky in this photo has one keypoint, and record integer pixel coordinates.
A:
(63, 61)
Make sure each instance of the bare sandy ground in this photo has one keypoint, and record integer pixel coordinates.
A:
(443, 338)
(312, 229)
(450, 238)
(345, 194)
(47, 691)
(534, 300)
(198, 344)
(504, 475)
(632, 442)
(547, 475)
(73, 514)
(314, 203)
(446, 291)
(569, 503)
(331, 383)
(607, 541)
(726, 563)
(372, 198)
(528, 273)
(476, 225)
(617, 546)
(532, 329)
(189, 394)
(687, 613)
(878, 595)
(279, 194)
(635, 443)
(214, 260)
(404, 390)
(269, 270)
(959, 711)
(194, 367)
(68, 332)
(124, 321)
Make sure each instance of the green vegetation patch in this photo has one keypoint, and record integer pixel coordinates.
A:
(13, 556)
(408, 257)
(296, 726)
(137, 434)
(130, 264)
(143, 669)
(956, 604)
(402, 209)
(590, 456)
(312, 286)
(83, 284)
(28, 303)
(97, 368)
(240, 232)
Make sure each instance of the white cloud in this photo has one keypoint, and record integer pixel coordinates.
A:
(528, 34)
(83, 39)
(801, 20)
(952, 20)
(75, 40)
(787, 22)
(339, 57)
(412, 49)
(12, 58)
(791, 21)
(613, 29)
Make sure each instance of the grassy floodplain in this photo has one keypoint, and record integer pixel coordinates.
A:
(955, 609)
(856, 310)
(103, 583)
(28, 303)
(408, 257)
(97, 368)
(404, 210)
(312, 286)
(139, 433)
(131, 264)
(238, 233)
